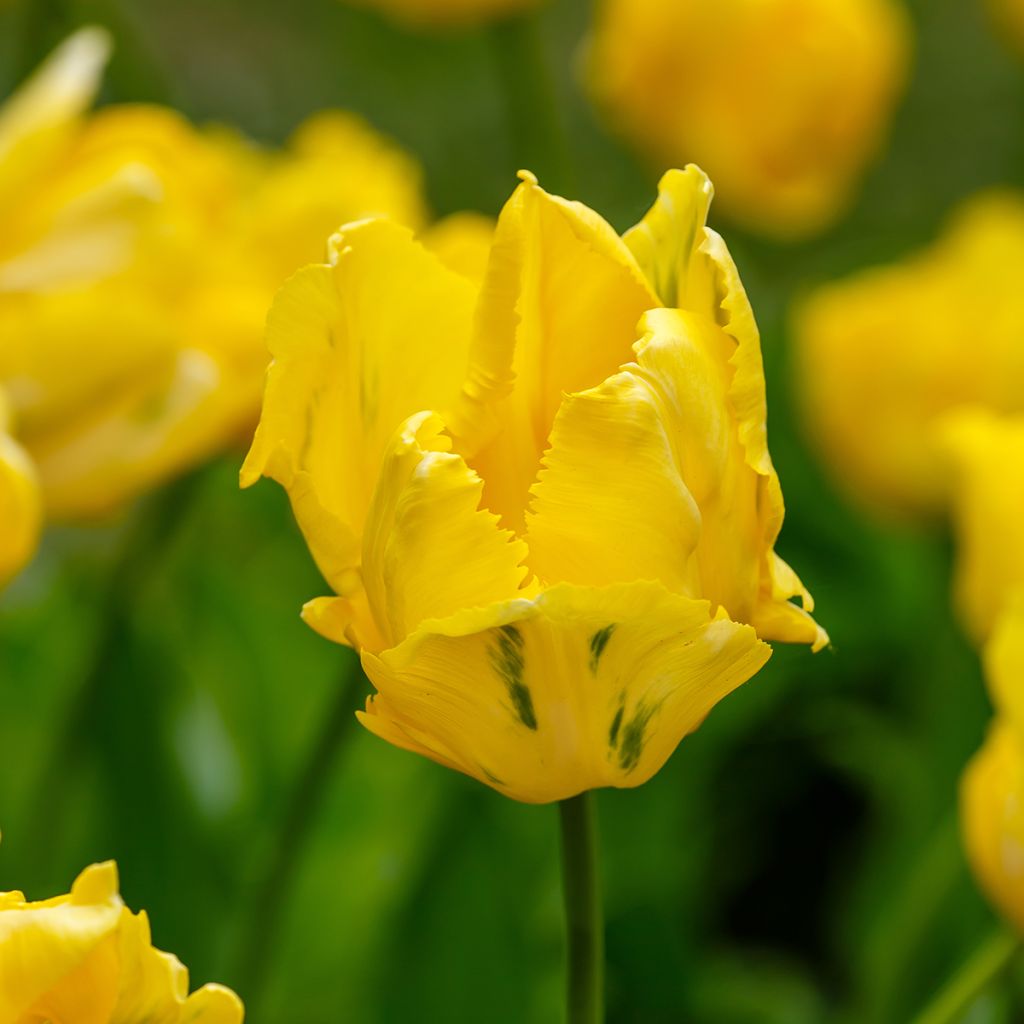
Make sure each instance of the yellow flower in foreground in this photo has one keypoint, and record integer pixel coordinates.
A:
(546, 504)
(138, 259)
(992, 791)
(85, 958)
(988, 505)
(882, 355)
(20, 510)
(783, 101)
(446, 12)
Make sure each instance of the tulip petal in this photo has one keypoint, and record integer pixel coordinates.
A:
(577, 688)
(213, 1004)
(558, 310)
(646, 479)
(611, 504)
(154, 984)
(666, 242)
(44, 943)
(429, 549)
(691, 267)
(358, 347)
(151, 981)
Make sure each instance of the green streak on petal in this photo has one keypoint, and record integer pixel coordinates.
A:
(613, 732)
(598, 642)
(633, 737)
(507, 658)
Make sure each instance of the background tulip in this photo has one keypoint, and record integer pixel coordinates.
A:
(135, 276)
(784, 101)
(883, 355)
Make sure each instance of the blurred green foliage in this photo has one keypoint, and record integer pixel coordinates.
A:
(797, 861)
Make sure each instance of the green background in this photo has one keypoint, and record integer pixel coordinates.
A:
(798, 859)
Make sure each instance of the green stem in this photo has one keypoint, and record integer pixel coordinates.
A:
(269, 896)
(530, 95)
(584, 925)
(985, 967)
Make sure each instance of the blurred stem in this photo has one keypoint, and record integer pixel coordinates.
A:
(271, 891)
(986, 965)
(584, 925)
(531, 106)
(907, 918)
(144, 546)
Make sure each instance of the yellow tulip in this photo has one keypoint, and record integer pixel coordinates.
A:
(783, 101)
(988, 501)
(85, 958)
(546, 502)
(138, 259)
(446, 12)
(992, 790)
(20, 510)
(882, 355)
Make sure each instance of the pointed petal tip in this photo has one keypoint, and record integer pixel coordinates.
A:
(214, 1004)
(98, 883)
(691, 174)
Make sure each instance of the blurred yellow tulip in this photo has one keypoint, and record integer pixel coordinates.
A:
(783, 101)
(85, 958)
(137, 262)
(992, 791)
(883, 354)
(546, 503)
(446, 12)
(988, 505)
(20, 504)
(462, 242)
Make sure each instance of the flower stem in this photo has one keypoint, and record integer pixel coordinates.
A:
(531, 105)
(269, 896)
(983, 968)
(583, 919)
